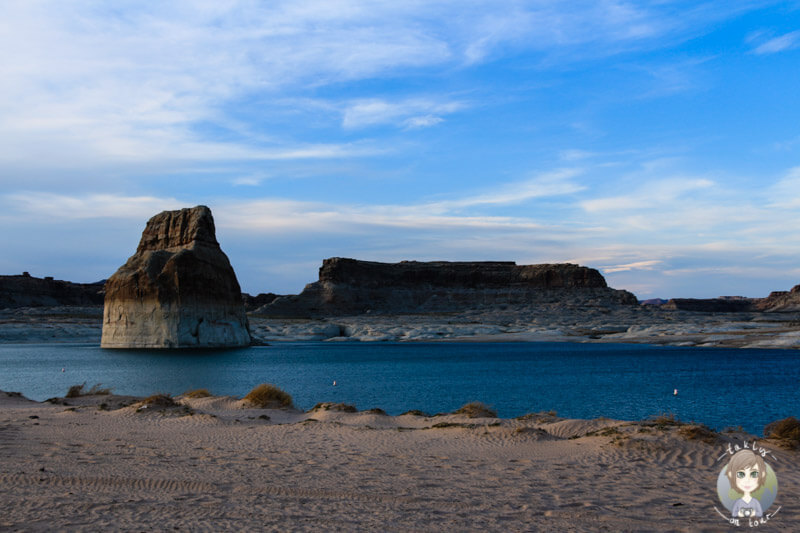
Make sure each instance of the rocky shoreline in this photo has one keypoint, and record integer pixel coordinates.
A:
(555, 323)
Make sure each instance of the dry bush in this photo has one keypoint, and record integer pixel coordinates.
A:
(416, 412)
(699, 432)
(76, 391)
(329, 406)
(160, 400)
(267, 395)
(542, 417)
(476, 410)
(786, 431)
(197, 393)
(377, 411)
(662, 421)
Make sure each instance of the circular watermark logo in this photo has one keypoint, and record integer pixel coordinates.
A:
(747, 485)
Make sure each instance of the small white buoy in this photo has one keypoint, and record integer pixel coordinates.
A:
(62, 370)
(675, 392)
(334, 383)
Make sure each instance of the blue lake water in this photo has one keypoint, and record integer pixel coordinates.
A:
(719, 387)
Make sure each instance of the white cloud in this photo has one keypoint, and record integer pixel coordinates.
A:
(785, 193)
(787, 41)
(409, 113)
(49, 206)
(638, 265)
(555, 183)
(658, 195)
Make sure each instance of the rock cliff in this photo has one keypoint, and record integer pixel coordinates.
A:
(349, 286)
(177, 291)
(29, 291)
(780, 301)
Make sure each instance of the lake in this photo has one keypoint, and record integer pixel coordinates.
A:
(716, 386)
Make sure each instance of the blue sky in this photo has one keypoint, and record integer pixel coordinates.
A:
(657, 141)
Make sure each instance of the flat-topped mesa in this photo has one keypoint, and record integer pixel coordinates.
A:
(467, 274)
(349, 286)
(177, 291)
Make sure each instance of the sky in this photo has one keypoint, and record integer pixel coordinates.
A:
(656, 141)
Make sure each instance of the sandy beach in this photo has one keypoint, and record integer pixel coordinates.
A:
(112, 463)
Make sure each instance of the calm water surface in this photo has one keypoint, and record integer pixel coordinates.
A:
(719, 387)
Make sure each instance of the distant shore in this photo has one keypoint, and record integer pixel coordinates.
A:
(104, 462)
(629, 324)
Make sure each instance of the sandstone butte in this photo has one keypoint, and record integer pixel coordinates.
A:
(177, 291)
(350, 286)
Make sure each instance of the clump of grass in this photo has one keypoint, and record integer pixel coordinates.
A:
(476, 410)
(76, 391)
(663, 421)
(416, 412)
(197, 393)
(377, 411)
(543, 417)
(160, 400)
(699, 432)
(329, 406)
(267, 395)
(786, 432)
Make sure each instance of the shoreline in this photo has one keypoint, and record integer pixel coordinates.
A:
(104, 462)
(637, 325)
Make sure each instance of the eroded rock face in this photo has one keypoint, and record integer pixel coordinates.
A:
(30, 291)
(177, 291)
(349, 286)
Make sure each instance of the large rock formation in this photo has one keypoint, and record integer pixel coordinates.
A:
(349, 286)
(29, 291)
(177, 291)
(724, 304)
(780, 301)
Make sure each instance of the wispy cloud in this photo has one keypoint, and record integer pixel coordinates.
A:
(638, 265)
(558, 182)
(413, 113)
(787, 41)
(652, 196)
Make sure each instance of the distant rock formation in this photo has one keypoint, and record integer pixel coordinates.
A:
(251, 303)
(724, 304)
(349, 286)
(780, 301)
(28, 291)
(177, 291)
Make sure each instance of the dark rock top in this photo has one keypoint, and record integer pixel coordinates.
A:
(349, 286)
(29, 291)
(711, 305)
(179, 228)
(474, 275)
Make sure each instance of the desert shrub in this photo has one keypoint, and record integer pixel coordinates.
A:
(160, 400)
(377, 411)
(328, 406)
(663, 421)
(76, 391)
(476, 410)
(267, 395)
(416, 412)
(540, 418)
(699, 432)
(787, 431)
(197, 393)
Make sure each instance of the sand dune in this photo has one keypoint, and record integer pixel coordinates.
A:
(103, 463)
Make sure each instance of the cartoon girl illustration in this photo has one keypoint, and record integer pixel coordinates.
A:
(747, 473)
